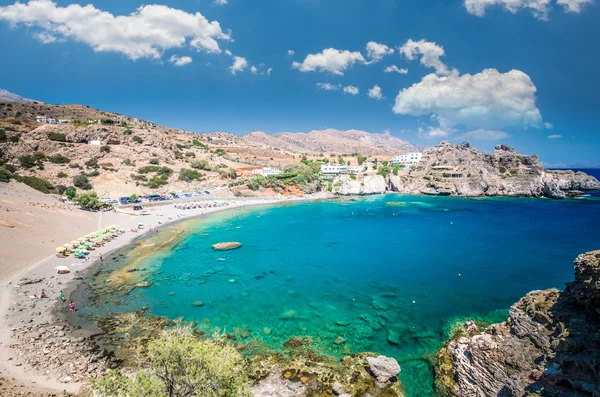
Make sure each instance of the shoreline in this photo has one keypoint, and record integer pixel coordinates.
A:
(18, 310)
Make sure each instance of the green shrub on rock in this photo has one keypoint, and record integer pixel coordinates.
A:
(178, 365)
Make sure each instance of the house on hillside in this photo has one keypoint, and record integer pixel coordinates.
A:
(407, 159)
(266, 171)
(333, 170)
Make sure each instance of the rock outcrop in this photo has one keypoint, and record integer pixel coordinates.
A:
(372, 184)
(550, 345)
(462, 170)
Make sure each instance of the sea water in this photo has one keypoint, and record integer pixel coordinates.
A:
(390, 274)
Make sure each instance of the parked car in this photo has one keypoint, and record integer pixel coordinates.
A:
(125, 200)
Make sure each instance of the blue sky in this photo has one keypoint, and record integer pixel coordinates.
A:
(73, 55)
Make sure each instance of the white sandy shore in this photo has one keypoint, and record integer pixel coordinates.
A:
(17, 308)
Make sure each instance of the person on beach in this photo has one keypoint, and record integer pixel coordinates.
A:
(101, 259)
(43, 294)
(72, 306)
(62, 296)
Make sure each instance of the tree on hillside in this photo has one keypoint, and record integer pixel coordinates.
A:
(88, 201)
(181, 365)
(70, 192)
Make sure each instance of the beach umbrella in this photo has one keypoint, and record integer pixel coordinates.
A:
(76, 242)
(63, 268)
(60, 249)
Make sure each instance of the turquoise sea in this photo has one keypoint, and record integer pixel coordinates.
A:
(386, 278)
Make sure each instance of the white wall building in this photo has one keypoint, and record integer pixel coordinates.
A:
(407, 159)
(266, 171)
(339, 169)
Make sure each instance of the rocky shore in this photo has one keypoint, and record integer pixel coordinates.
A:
(550, 345)
(462, 170)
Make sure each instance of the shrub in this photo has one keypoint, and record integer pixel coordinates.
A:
(30, 161)
(36, 183)
(5, 175)
(153, 161)
(201, 165)
(92, 163)
(138, 177)
(227, 173)
(446, 175)
(514, 172)
(82, 181)
(148, 169)
(155, 182)
(61, 175)
(221, 152)
(196, 142)
(190, 154)
(58, 159)
(15, 138)
(2, 135)
(70, 192)
(178, 154)
(126, 162)
(360, 158)
(74, 165)
(187, 174)
(353, 177)
(181, 365)
(88, 201)
(60, 189)
(93, 173)
(127, 132)
(57, 137)
(10, 168)
(137, 139)
(105, 149)
(502, 170)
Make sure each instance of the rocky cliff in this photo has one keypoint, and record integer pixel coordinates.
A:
(549, 346)
(462, 170)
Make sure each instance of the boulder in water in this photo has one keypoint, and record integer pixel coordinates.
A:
(383, 368)
(226, 246)
(198, 304)
(144, 284)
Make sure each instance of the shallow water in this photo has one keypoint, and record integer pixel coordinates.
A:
(386, 278)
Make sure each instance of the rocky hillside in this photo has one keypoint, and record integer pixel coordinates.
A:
(7, 96)
(462, 170)
(549, 346)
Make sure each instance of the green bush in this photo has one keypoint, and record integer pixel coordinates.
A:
(153, 161)
(58, 159)
(60, 188)
(201, 165)
(88, 201)
(61, 175)
(36, 183)
(196, 142)
(221, 152)
(227, 173)
(502, 170)
(74, 165)
(178, 154)
(353, 177)
(137, 139)
(30, 161)
(92, 163)
(190, 154)
(3, 136)
(70, 192)
(155, 182)
(446, 175)
(181, 365)
(57, 137)
(186, 174)
(360, 158)
(15, 138)
(82, 181)
(5, 175)
(105, 149)
(126, 162)
(127, 132)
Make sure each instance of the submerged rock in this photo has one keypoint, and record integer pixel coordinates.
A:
(198, 304)
(226, 246)
(548, 345)
(144, 284)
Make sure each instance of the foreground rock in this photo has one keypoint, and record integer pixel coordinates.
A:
(550, 344)
(226, 246)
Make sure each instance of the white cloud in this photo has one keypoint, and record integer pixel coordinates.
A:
(221, 2)
(377, 51)
(329, 87)
(145, 33)
(430, 54)
(484, 135)
(46, 38)
(329, 60)
(291, 52)
(573, 5)
(269, 70)
(375, 92)
(352, 90)
(539, 8)
(180, 61)
(488, 99)
(548, 126)
(395, 69)
(556, 136)
(228, 53)
(239, 64)
(432, 132)
(253, 69)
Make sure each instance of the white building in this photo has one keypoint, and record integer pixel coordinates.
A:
(339, 169)
(407, 159)
(98, 143)
(266, 171)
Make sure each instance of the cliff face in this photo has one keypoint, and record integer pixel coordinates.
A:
(549, 345)
(462, 170)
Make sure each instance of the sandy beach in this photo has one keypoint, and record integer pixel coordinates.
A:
(28, 325)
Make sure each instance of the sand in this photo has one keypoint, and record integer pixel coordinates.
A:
(29, 250)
